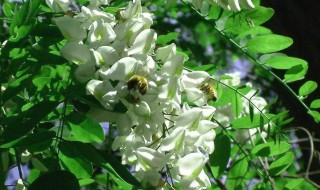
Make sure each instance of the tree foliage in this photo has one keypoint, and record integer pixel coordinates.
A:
(130, 95)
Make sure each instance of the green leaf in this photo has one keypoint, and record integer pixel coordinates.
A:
(281, 164)
(211, 69)
(33, 9)
(165, 39)
(251, 112)
(33, 141)
(59, 179)
(236, 103)
(270, 149)
(41, 82)
(109, 163)
(15, 87)
(237, 174)
(22, 124)
(112, 10)
(245, 122)
(294, 184)
(262, 186)
(258, 30)
(33, 175)
(220, 156)
(7, 9)
(71, 159)
(84, 182)
(268, 43)
(225, 77)
(214, 12)
(18, 18)
(315, 104)
(307, 88)
(261, 122)
(247, 19)
(283, 62)
(296, 73)
(24, 15)
(315, 115)
(271, 103)
(84, 129)
(23, 31)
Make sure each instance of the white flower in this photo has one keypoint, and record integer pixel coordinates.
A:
(96, 3)
(190, 167)
(149, 177)
(143, 43)
(90, 15)
(193, 129)
(198, 87)
(166, 53)
(129, 29)
(101, 33)
(70, 28)
(133, 10)
(104, 92)
(59, 5)
(85, 72)
(150, 158)
(76, 53)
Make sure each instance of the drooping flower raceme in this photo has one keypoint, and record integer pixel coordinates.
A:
(118, 60)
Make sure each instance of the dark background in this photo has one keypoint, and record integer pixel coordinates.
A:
(300, 20)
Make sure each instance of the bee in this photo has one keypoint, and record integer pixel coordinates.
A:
(138, 83)
(209, 90)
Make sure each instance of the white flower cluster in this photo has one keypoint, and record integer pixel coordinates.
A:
(118, 59)
(231, 5)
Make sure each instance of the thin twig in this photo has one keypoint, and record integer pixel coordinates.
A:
(311, 147)
(18, 163)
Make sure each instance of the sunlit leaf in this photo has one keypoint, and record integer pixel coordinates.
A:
(283, 62)
(214, 12)
(296, 73)
(315, 104)
(84, 129)
(281, 164)
(7, 9)
(245, 122)
(294, 184)
(239, 23)
(315, 115)
(237, 174)
(211, 69)
(270, 149)
(86, 181)
(236, 103)
(75, 163)
(268, 43)
(307, 88)
(165, 39)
